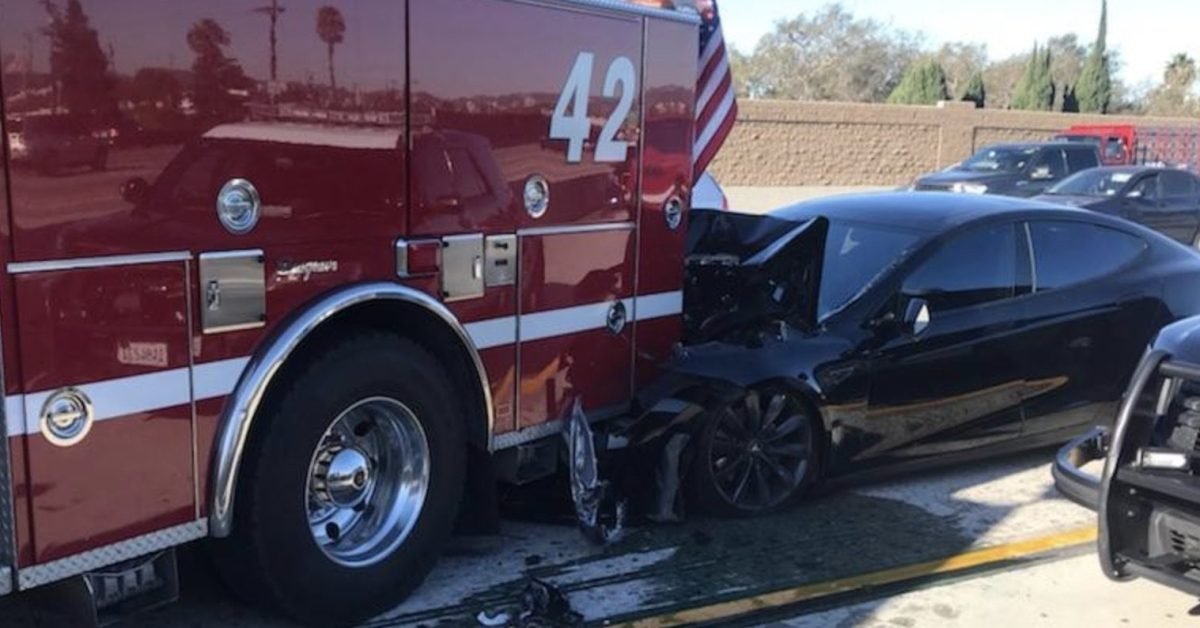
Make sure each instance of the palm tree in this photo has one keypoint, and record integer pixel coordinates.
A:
(1181, 71)
(331, 28)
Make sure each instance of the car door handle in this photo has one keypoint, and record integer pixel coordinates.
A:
(1082, 343)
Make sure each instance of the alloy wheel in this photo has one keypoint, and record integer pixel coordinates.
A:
(761, 450)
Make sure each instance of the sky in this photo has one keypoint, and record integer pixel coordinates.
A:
(1146, 32)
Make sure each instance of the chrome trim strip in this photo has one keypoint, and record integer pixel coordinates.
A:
(639, 207)
(8, 532)
(191, 350)
(238, 254)
(685, 15)
(224, 329)
(83, 562)
(550, 428)
(402, 258)
(567, 229)
(240, 409)
(23, 268)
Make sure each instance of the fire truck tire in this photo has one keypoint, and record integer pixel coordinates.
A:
(754, 455)
(350, 485)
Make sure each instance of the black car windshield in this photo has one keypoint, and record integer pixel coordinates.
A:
(1000, 160)
(1092, 183)
(856, 254)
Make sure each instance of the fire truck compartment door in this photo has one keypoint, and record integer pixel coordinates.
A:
(106, 369)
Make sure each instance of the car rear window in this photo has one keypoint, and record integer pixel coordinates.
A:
(1071, 253)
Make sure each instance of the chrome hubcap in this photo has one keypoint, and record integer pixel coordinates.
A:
(367, 482)
(761, 450)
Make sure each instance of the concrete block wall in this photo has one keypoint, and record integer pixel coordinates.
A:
(786, 143)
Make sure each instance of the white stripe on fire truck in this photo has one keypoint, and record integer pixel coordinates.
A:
(166, 389)
(498, 332)
(125, 396)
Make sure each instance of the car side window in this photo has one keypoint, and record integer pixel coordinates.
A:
(1146, 188)
(1052, 159)
(1071, 253)
(1081, 159)
(1177, 184)
(972, 268)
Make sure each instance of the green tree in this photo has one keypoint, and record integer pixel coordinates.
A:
(1035, 89)
(1022, 92)
(924, 83)
(215, 76)
(1095, 87)
(331, 28)
(79, 66)
(156, 87)
(960, 60)
(976, 91)
(829, 55)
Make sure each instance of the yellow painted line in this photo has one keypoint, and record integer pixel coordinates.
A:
(967, 560)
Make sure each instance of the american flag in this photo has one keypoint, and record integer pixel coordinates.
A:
(716, 107)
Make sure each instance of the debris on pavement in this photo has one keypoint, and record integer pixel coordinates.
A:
(543, 605)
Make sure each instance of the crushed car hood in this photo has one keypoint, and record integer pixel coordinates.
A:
(746, 271)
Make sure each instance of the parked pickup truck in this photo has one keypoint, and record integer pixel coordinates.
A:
(1148, 496)
(1013, 169)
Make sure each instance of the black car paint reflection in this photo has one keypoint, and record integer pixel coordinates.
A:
(929, 325)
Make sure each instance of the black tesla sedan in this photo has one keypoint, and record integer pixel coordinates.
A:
(1164, 199)
(855, 333)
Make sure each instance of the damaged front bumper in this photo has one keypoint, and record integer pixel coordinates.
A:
(1070, 478)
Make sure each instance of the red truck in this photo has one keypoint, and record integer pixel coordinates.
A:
(1134, 144)
(346, 256)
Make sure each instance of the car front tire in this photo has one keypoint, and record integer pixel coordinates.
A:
(755, 455)
(350, 486)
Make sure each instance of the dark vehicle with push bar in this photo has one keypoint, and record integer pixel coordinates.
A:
(1148, 495)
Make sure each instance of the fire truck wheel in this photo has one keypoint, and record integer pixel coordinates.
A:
(754, 455)
(350, 485)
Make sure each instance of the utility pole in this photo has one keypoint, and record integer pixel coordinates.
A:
(273, 12)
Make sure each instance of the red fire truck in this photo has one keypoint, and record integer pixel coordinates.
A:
(1129, 144)
(339, 259)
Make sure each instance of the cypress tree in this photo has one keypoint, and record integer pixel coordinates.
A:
(1022, 97)
(1094, 89)
(976, 92)
(924, 83)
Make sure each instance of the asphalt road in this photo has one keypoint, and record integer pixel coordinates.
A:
(656, 573)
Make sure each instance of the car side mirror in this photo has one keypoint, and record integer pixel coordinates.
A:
(916, 317)
(1041, 173)
(1134, 194)
(135, 191)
